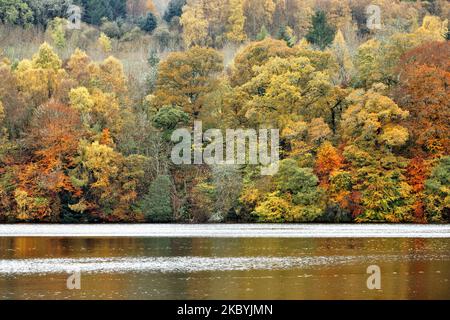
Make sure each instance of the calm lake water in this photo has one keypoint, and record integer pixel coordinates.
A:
(224, 262)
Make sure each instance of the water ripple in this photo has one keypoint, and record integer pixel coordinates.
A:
(186, 264)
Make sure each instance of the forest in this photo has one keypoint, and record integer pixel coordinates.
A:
(87, 114)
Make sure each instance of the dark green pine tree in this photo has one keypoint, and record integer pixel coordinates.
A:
(174, 9)
(286, 34)
(157, 204)
(148, 23)
(95, 10)
(262, 34)
(321, 33)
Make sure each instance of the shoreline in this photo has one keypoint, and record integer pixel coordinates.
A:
(226, 230)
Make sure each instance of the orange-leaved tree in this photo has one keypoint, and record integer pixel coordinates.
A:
(424, 91)
(52, 144)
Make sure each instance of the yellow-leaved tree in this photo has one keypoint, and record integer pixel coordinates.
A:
(343, 58)
(236, 22)
(195, 25)
(104, 43)
(185, 78)
(37, 79)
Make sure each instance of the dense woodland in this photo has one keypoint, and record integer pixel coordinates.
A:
(86, 115)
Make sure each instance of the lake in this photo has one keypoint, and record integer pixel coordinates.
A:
(224, 261)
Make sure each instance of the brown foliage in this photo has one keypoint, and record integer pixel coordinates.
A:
(416, 174)
(53, 141)
(424, 91)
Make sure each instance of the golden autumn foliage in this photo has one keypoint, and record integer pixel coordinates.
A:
(362, 119)
(186, 77)
(2, 112)
(81, 100)
(372, 119)
(104, 43)
(236, 22)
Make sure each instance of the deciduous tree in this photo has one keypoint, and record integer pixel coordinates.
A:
(186, 77)
(423, 91)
